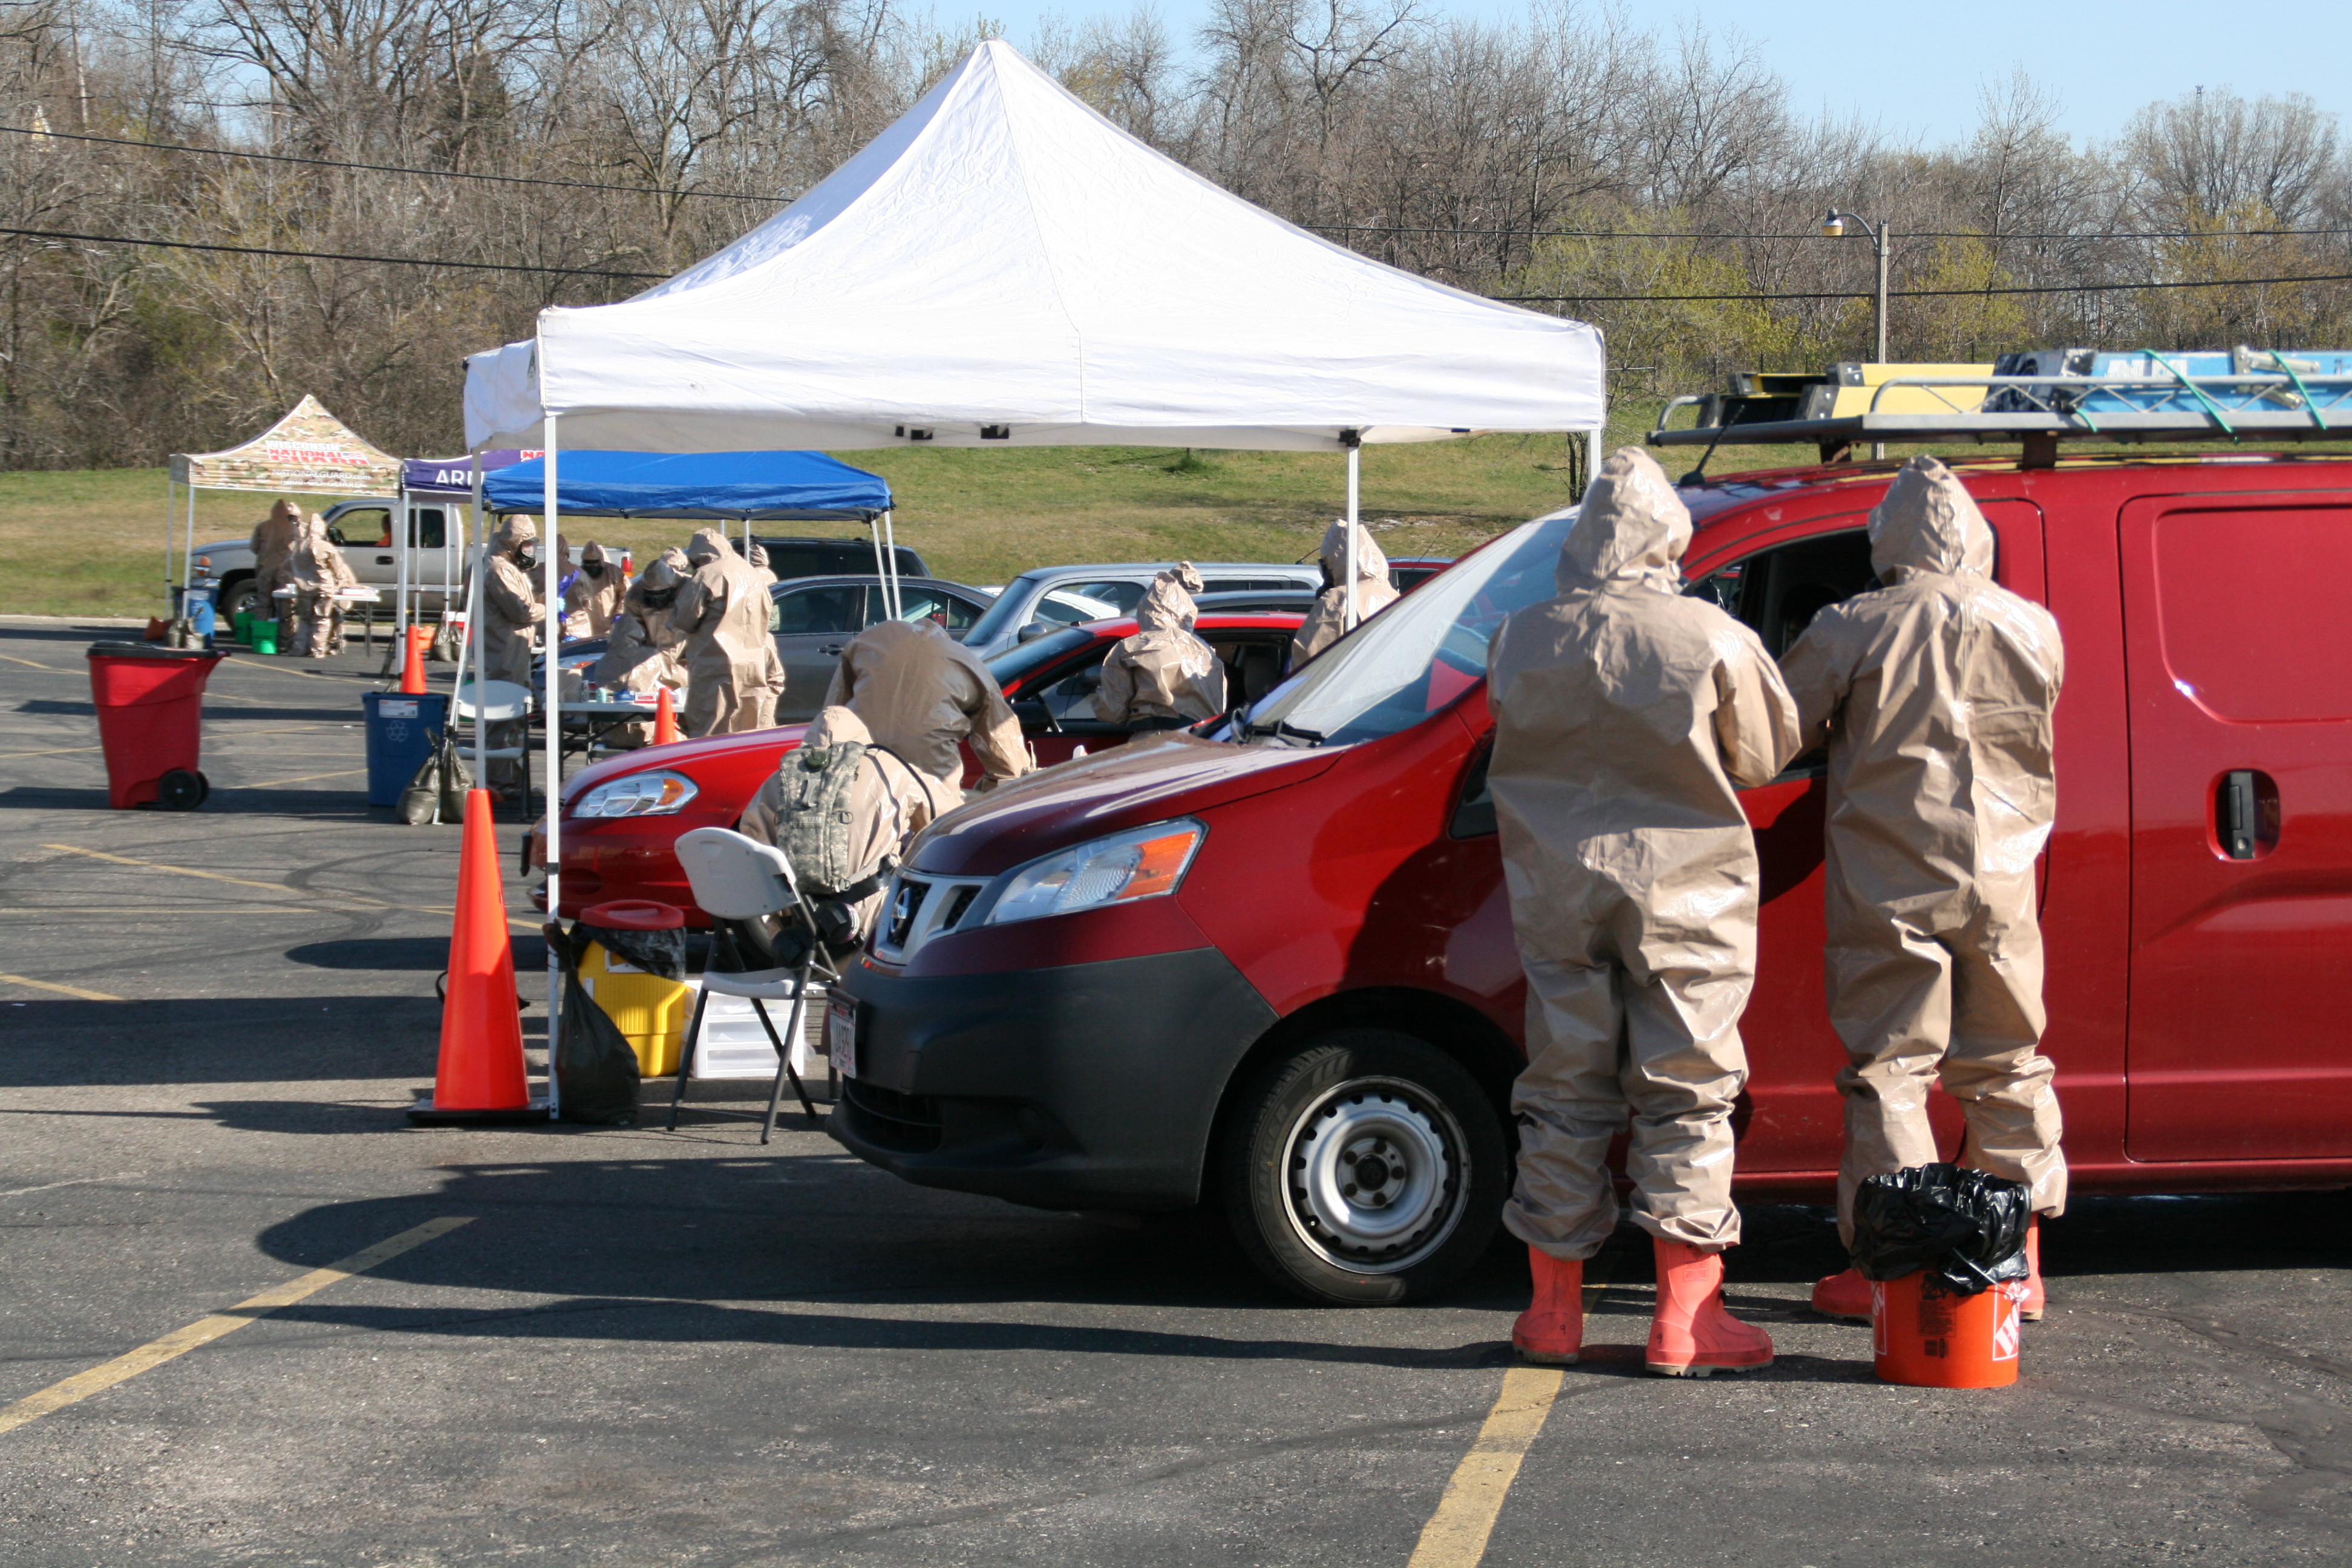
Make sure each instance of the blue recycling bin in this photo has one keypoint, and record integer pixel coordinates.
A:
(401, 731)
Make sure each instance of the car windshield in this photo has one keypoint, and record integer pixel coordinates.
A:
(1419, 653)
(1016, 662)
(998, 619)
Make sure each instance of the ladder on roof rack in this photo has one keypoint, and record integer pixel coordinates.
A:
(2040, 411)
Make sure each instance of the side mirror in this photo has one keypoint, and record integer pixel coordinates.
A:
(1035, 630)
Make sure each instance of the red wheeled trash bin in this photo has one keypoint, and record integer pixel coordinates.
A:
(151, 706)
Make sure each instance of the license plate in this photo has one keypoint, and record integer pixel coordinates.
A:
(840, 1035)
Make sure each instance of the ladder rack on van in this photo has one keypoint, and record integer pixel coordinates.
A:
(2040, 411)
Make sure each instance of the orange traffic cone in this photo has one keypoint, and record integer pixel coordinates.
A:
(664, 719)
(480, 1076)
(412, 663)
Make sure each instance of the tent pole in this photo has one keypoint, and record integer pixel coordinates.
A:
(881, 577)
(554, 716)
(171, 516)
(890, 554)
(468, 651)
(1592, 439)
(1355, 444)
(188, 579)
(400, 589)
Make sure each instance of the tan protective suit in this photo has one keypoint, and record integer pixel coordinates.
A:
(1934, 694)
(1327, 621)
(892, 802)
(510, 616)
(921, 692)
(594, 597)
(756, 555)
(633, 663)
(315, 569)
(722, 611)
(1163, 672)
(659, 581)
(1626, 718)
(273, 541)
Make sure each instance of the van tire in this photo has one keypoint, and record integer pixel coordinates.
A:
(236, 593)
(1296, 1190)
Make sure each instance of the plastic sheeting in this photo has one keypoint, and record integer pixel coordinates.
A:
(1004, 265)
(766, 486)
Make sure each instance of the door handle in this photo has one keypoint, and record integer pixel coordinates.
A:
(835, 648)
(383, 560)
(2246, 815)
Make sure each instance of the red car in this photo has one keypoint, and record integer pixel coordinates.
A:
(622, 817)
(1272, 969)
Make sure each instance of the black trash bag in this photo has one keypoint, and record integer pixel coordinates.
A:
(595, 1072)
(661, 952)
(1968, 1227)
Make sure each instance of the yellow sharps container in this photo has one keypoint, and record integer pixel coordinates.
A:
(650, 1012)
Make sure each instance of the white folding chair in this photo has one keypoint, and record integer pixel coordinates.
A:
(499, 702)
(740, 878)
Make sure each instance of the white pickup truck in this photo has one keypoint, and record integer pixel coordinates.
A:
(361, 528)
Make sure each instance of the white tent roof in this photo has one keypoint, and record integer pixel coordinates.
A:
(1004, 257)
(308, 452)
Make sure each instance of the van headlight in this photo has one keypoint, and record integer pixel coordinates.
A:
(1141, 863)
(655, 792)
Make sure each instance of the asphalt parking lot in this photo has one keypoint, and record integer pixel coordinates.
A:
(632, 1346)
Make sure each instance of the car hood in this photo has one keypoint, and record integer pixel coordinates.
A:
(1144, 781)
(680, 756)
(226, 544)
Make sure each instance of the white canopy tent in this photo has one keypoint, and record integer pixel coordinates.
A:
(1003, 265)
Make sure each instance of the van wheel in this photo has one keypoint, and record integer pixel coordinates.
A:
(236, 593)
(1367, 1169)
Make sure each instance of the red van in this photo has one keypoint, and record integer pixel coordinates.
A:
(1272, 970)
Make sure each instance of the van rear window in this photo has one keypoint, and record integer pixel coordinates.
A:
(2250, 601)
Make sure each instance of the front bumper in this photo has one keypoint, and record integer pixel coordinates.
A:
(1089, 1086)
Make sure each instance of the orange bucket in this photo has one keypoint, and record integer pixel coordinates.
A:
(1928, 1335)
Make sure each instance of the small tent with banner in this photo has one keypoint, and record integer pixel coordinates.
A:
(427, 564)
(308, 452)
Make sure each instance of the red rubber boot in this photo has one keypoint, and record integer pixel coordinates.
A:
(1551, 1330)
(1692, 1335)
(1845, 1295)
(2030, 1307)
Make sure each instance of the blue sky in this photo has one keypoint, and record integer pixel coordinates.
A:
(1915, 69)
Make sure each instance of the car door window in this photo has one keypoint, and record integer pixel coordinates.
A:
(1119, 595)
(812, 611)
(953, 615)
(427, 529)
(1067, 606)
(1778, 591)
(363, 527)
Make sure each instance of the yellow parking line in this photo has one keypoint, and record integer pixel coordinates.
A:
(12, 659)
(240, 735)
(204, 1331)
(527, 925)
(303, 778)
(60, 989)
(1456, 1535)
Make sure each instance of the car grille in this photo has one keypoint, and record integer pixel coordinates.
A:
(920, 908)
(903, 1123)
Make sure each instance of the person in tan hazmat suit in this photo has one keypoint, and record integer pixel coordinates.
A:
(1162, 677)
(920, 692)
(1327, 623)
(722, 612)
(511, 618)
(317, 572)
(595, 597)
(273, 541)
(1934, 694)
(635, 663)
(891, 802)
(1627, 716)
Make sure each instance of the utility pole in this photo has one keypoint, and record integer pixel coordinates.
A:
(1834, 226)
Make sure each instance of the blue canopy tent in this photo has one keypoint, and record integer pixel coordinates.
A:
(763, 486)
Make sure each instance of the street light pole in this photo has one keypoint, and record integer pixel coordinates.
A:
(1834, 226)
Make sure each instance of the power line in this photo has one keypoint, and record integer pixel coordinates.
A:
(334, 255)
(1921, 293)
(1342, 228)
(384, 168)
(1900, 235)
